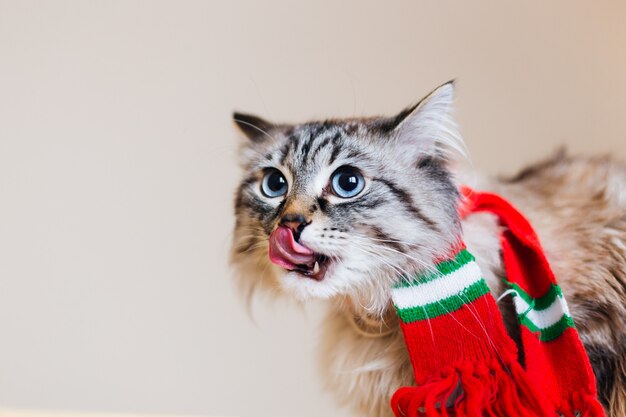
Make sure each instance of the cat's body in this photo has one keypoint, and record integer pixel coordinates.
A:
(365, 358)
(403, 217)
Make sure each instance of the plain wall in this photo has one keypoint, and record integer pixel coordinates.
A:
(117, 171)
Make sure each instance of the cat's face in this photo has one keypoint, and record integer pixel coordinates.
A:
(345, 207)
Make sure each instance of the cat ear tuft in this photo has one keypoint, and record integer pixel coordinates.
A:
(428, 127)
(254, 127)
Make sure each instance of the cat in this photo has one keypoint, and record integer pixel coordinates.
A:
(369, 199)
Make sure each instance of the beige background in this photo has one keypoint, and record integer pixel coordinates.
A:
(117, 171)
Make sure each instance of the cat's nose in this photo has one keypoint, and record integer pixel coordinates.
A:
(296, 222)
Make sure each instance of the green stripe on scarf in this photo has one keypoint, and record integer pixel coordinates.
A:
(443, 268)
(551, 332)
(540, 303)
(445, 306)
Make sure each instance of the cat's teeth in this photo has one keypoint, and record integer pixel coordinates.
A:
(316, 267)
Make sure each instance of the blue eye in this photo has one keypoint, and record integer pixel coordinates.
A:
(347, 182)
(274, 183)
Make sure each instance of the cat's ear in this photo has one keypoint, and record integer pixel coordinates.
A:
(254, 127)
(428, 126)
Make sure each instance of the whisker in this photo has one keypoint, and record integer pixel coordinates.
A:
(439, 274)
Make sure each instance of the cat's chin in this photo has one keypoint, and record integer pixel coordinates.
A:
(305, 286)
(338, 283)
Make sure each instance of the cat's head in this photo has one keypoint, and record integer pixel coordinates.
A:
(346, 207)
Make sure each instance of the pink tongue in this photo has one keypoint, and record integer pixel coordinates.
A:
(286, 252)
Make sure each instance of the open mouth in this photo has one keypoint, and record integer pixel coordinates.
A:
(316, 271)
(292, 256)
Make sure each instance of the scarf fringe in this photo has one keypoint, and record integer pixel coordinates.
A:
(582, 405)
(473, 389)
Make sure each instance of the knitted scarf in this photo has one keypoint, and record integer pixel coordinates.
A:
(465, 363)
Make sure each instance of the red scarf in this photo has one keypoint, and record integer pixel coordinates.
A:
(464, 362)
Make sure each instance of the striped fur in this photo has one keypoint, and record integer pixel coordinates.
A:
(368, 246)
(405, 218)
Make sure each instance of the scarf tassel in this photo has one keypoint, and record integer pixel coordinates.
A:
(473, 389)
(582, 405)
